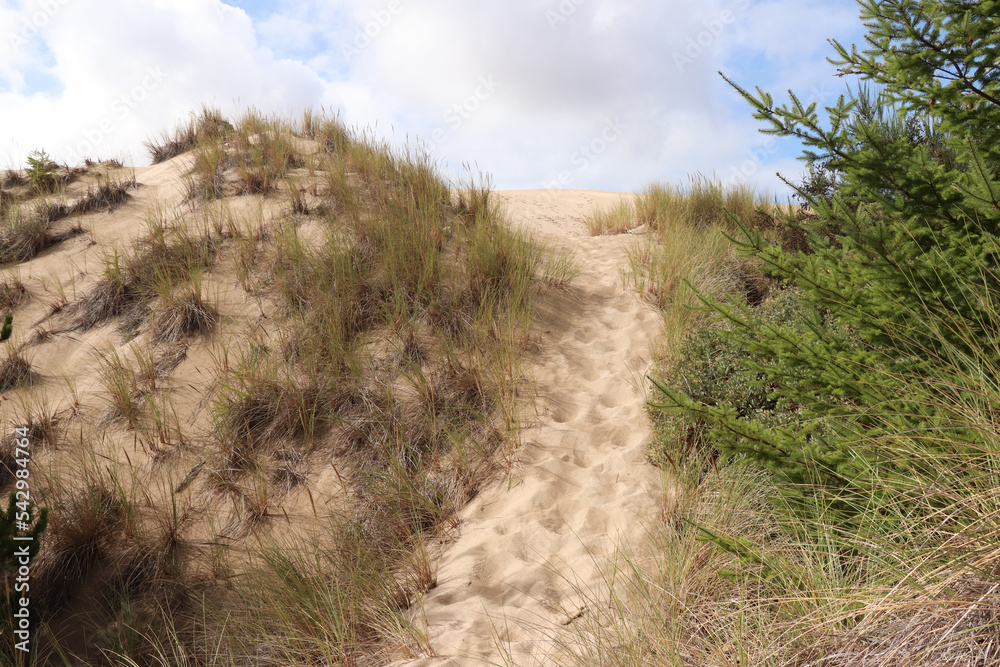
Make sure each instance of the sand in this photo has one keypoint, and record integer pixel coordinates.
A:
(531, 548)
(509, 581)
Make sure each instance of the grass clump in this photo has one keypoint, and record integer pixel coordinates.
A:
(248, 158)
(616, 219)
(182, 313)
(28, 228)
(155, 266)
(15, 370)
(208, 124)
(22, 235)
(313, 604)
(688, 253)
(257, 407)
(110, 577)
(263, 153)
(126, 389)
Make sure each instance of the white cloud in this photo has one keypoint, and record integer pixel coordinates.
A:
(131, 68)
(525, 88)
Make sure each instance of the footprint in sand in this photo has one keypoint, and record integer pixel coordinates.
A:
(582, 480)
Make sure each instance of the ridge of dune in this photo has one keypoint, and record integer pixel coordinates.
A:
(531, 544)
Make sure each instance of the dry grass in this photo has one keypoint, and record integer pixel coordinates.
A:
(109, 544)
(22, 235)
(181, 314)
(13, 293)
(393, 314)
(688, 254)
(255, 408)
(616, 219)
(15, 370)
(125, 389)
(205, 125)
(28, 228)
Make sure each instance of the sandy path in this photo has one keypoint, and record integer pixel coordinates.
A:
(581, 483)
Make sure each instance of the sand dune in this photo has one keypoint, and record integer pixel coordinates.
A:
(510, 581)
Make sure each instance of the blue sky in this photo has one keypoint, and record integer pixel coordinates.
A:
(594, 94)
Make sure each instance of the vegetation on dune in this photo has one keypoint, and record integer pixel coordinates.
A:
(824, 412)
(855, 406)
(30, 212)
(21, 524)
(393, 309)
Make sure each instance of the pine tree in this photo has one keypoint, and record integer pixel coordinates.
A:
(903, 251)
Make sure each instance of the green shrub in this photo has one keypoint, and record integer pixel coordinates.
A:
(900, 283)
(41, 171)
(714, 368)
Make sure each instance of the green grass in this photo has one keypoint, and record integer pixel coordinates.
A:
(616, 219)
(207, 124)
(394, 312)
(687, 251)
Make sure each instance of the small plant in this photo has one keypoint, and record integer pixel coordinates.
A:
(12, 294)
(8, 327)
(19, 512)
(15, 371)
(41, 172)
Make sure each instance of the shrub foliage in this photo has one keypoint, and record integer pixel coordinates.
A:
(897, 282)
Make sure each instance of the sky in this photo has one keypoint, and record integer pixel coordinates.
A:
(589, 94)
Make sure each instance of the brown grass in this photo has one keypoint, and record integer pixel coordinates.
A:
(389, 317)
(207, 124)
(13, 293)
(15, 371)
(26, 229)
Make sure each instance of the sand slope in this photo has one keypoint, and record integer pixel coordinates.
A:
(580, 483)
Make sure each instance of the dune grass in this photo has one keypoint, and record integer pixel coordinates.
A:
(156, 266)
(29, 226)
(687, 251)
(15, 369)
(382, 349)
(207, 124)
(616, 219)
